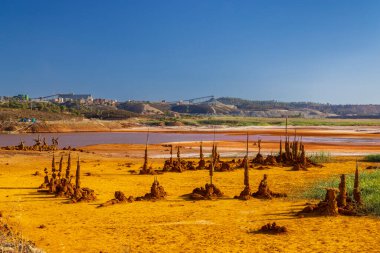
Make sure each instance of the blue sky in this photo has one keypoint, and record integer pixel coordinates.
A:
(304, 50)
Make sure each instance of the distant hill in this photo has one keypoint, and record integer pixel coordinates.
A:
(14, 110)
(253, 108)
(302, 109)
(209, 107)
(140, 108)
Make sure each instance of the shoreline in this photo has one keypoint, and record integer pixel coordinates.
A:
(336, 140)
(370, 131)
(227, 149)
(221, 124)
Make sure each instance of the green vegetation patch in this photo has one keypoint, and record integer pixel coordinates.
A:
(320, 157)
(372, 158)
(235, 121)
(232, 122)
(369, 184)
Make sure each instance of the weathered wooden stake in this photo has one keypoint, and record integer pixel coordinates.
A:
(246, 169)
(145, 166)
(61, 163)
(171, 155)
(201, 156)
(68, 167)
(259, 144)
(53, 163)
(357, 193)
(77, 176)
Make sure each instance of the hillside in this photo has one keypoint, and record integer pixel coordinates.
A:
(140, 108)
(224, 106)
(301, 109)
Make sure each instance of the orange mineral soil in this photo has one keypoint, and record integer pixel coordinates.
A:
(174, 224)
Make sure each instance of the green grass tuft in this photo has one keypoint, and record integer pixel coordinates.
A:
(320, 157)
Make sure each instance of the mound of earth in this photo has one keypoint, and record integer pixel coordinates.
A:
(210, 191)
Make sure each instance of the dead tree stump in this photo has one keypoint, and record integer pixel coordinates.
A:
(264, 192)
(328, 207)
(357, 194)
(272, 229)
(342, 196)
(270, 160)
(332, 204)
(119, 198)
(259, 159)
(157, 192)
(83, 195)
(245, 194)
(342, 204)
(210, 191)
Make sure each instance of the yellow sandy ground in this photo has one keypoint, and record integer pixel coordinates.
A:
(174, 225)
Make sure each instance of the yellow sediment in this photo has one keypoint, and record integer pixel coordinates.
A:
(174, 225)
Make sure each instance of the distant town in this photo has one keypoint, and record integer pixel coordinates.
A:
(61, 99)
(88, 99)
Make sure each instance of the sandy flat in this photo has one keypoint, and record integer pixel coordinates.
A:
(175, 225)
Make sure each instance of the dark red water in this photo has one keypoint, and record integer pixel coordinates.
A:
(84, 139)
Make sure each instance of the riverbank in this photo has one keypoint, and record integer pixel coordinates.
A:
(188, 124)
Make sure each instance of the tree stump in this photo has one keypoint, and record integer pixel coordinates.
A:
(342, 197)
(264, 192)
(157, 192)
(357, 194)
(272, 229)
(332, 204)
(210, 191)
(245, 194)
(119, 198)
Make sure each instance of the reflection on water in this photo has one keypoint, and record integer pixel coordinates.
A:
(84, 139)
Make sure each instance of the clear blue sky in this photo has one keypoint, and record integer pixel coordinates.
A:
(301, 50)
